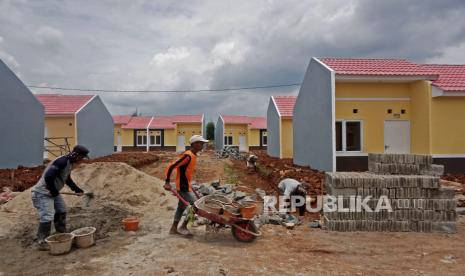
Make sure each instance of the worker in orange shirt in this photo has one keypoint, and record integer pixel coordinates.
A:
(185, 168)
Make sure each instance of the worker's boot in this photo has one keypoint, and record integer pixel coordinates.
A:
(60, 222)
(42, 233)
(184, 231)
(174, 228)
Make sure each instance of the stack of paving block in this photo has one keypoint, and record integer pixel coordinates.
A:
(410, 184)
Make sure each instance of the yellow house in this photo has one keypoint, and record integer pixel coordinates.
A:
(244, 132)
(279, 123)
(348, 108)
(76, 119)
(156, 132)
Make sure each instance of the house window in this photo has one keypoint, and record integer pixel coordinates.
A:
(141, 138)
(155, 138)
(228, 140)
(348, 136)
(264, 138)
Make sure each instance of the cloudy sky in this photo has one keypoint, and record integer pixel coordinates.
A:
(189, 45)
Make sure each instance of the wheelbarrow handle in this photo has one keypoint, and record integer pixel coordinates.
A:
(176, 194)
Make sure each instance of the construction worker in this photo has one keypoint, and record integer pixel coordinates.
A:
(46, 196)
(252, 162)
(185, 168)
(289, 187)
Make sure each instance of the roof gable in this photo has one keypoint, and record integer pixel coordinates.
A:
(285, 105)
(56, 104)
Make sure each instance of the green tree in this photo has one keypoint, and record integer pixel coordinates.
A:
(210, 131)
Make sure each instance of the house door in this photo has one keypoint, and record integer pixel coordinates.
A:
(119, 145)
(396, 136)
(242, 144)
(181, 146)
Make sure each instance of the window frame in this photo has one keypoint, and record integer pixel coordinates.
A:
(144, 136)
(226, 140)
(264, 137)
(344, 136)
(156, 134)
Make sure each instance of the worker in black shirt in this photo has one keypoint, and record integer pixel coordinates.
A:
(46, 196)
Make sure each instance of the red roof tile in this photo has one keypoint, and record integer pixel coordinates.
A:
(187, 118)
(162, 122)
(451, 77)
(257, 122)
(56, 104)
(285, 105)
(140, 122)
(121, 119)
(254, 122)
(377, 67)
(235, 119)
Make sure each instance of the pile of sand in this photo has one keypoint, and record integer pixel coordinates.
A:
(116, 184)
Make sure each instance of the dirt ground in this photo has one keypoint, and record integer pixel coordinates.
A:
(300, 251)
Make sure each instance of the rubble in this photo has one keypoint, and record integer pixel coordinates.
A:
(419, 203)
(230, 152)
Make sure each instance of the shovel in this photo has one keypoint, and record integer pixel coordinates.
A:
(87, 197)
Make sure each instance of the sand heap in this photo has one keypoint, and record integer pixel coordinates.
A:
(116, 184)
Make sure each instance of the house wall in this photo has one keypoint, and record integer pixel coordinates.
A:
(219, 142)
(273, 128)
(372, 113)
(170, 138)
(236, 130)
(21, 123)
(94, 127)
(286, 138)
(188, 130)
(448, 125)
(60, 127)
(420, 114)
(254, 138)
(314, 129)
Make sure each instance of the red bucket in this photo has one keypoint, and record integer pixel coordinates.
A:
(131, 224)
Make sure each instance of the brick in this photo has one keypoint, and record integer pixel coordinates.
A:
(444, 227)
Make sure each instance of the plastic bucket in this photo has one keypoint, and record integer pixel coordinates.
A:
(60, 243)
(248, 211)
(131, 224)
(84, 237)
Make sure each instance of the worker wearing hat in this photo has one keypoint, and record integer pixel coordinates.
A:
(46, 196)
(185, 168)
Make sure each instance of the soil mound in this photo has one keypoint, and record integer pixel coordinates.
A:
(116, 186)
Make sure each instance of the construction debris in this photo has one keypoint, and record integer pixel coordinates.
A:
(230, 152)
(418, 203)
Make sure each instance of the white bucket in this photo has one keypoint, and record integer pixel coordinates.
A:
(84, 237)
(60, 243)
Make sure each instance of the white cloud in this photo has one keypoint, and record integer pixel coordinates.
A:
(155, 45)
(172, 54)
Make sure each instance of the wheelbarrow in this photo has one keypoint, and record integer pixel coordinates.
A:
(242, 226)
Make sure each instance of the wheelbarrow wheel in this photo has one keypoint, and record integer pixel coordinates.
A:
(241, 235)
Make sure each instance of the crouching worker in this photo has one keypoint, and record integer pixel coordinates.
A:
(46, 196)
(289, 187)
(185, 168)
(252, 162)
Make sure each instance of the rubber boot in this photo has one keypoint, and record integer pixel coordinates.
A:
(174, 228)
(184, 231)
(42, 233)
(60, 222)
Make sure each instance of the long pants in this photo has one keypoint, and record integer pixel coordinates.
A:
(47, 206)
(189, 197)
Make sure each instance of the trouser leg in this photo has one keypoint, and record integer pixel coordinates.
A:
(60, 214)
(45, 207)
